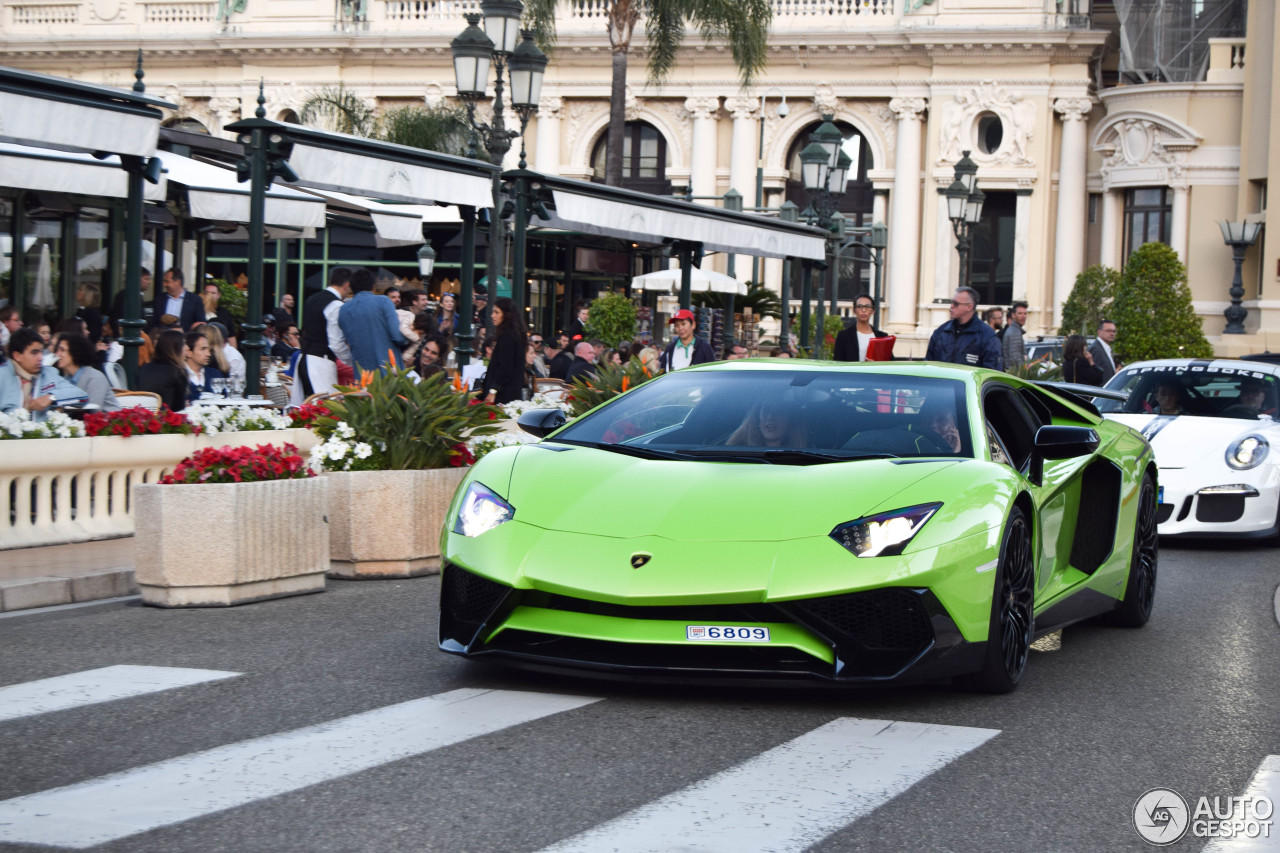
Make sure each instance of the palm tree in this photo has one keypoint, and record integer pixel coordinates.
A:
(742, 24)
(762, 301)
(444, 129)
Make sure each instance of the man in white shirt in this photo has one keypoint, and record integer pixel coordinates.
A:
(323, 342)
(1103, 358)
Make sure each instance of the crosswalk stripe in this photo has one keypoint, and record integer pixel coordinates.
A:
(1265, 783)
(97, 685)
(169, 792)
(790, 797)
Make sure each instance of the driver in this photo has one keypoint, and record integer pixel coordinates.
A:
(1169, 398)
(940, 423)
(770, 423)
(1253, 394)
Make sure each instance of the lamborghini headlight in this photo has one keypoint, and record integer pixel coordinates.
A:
(1247, 452)
(885, 534)
(481, 510)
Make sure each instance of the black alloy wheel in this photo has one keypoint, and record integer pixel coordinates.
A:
(1140, 592)
(1012, 611)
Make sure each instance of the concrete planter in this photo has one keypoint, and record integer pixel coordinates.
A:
(215, 545)
(57, 490)
(386, 524)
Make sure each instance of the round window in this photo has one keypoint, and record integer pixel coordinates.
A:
(990, 133)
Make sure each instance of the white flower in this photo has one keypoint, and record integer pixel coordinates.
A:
(363, 450)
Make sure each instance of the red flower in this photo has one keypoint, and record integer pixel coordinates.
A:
(138, 421)
(239, 465)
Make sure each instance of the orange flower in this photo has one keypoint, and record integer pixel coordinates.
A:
(366, 378)
(626, 383)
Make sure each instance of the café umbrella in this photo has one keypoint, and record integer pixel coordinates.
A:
(701, 280)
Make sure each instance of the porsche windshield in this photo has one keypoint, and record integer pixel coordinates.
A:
(786, 417)
(1206, 390)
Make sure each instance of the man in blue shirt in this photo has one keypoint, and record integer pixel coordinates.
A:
(370, 325)
(964, 339)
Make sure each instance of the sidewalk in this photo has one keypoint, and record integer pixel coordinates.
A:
(66, 574)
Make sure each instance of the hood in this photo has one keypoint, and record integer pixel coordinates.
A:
(1182, 440)
(584, 490)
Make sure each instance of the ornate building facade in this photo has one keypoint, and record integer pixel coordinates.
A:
(1076, 170)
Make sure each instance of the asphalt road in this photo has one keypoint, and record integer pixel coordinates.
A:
(1191, 702)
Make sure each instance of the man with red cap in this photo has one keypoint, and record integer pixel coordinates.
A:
(685, 349)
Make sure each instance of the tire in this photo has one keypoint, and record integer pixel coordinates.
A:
(1140, 590)
(1012, 611)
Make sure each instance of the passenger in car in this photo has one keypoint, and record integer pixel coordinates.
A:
(1169, 399)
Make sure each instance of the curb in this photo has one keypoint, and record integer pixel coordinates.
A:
(26, 593)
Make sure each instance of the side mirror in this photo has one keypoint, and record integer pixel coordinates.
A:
(1060, 442)
(543, 422)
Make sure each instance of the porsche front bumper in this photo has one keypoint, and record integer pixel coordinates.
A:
(1238, 504)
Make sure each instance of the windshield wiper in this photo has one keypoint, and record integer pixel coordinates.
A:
(639, 451)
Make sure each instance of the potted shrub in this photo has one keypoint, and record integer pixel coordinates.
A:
(395, 452)
(231, 525)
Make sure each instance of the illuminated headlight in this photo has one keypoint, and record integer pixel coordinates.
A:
(885, 534)
(481, 511)
(1247, 452)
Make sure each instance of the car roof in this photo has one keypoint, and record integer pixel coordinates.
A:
(1216, 363)
(932, 369)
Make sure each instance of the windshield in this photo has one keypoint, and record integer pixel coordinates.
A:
(1194, 389)
(792, 417)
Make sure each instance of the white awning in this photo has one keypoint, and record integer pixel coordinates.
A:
(699, 280)
(351, 164)
(612, 212)
(55, 112)
(214, 193)
(29, 168)
(394, 224)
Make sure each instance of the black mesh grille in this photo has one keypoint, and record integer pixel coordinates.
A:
(1219, 508)
(876, 633)
(693, 614)
(1163, 513)
(466, 601)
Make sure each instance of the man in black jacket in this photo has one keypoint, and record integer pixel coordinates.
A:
(177, 302)
(582, 365)
(684, 350)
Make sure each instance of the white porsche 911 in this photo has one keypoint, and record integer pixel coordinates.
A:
(1212, 425)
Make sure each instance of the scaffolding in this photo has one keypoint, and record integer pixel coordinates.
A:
(1167, 41)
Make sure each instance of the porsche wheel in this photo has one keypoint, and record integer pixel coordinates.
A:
(1012, 615)
(1140, 591)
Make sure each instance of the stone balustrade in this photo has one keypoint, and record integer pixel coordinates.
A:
(380, 17)
(60, 490)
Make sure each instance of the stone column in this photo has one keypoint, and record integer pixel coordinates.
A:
(547, 158)
(1112, 223)
(1021, 241)
(1179, 221)
(702, 160)
(1069, 236)
(742, 162)
(904, 230)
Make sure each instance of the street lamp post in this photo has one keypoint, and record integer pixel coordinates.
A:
(783, 111)
(964, 209)
(1239, 236)
(474, 52)
(824, 170)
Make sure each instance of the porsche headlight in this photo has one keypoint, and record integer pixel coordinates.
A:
(885, 534)
(1247, 452)
(481, 511)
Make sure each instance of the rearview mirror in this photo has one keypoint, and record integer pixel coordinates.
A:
(1060, 442)
(541, 422)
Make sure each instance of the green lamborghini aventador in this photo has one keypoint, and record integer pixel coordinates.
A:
(840, 523)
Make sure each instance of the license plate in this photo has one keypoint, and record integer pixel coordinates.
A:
(1160, 495)
(726, 634)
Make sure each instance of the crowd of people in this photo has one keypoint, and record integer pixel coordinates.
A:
(357, 323)
(994, 343)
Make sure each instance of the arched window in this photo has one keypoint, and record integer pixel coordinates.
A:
(644, 159)
(288, 117)
(856, 205)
